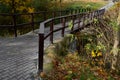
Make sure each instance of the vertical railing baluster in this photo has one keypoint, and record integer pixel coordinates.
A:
(78, 21)
(73, 20)
(51, 30)
(14, 24)
(88, 19)
(63, 24)
(90, 16)
(83, 20)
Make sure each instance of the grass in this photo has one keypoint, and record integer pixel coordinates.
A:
(84, 4)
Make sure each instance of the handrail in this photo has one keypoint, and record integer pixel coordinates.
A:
(14, 17)
(81, 19)
(95, 14)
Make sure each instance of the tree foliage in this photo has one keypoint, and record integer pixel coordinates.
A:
(19, 6)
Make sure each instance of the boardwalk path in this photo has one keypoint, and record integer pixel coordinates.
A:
(18, 56)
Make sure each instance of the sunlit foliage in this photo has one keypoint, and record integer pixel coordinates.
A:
(9, 6)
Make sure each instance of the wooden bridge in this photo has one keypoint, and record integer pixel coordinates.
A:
(79, 21)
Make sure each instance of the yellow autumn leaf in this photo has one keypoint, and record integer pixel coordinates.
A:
(21, 8)
(30, 10)
(99, 54)
(93, 54)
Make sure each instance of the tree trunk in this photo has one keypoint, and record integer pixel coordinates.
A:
(116, 44)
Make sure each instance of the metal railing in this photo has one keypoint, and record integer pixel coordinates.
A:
(80, 21)
(44, 15)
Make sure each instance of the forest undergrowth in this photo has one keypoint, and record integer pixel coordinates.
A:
(93, 58)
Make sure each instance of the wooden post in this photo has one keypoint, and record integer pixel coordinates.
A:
(14, 25)
(95, 14)
(41, 52)
(90, 16)
(41, 48)
(51, 30)
(79, 21)
(83, 20)
(73, 19)
(63, 23)
(14, 18)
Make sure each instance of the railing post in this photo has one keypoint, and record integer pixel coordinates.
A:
(88, 19)
(96, 14)
(41, 48)
(32, 21)
(63, 23)
(83, 20)
(90, 16)
(73, 20)
(101, 13)
(41, 52)
(14, 25)
(51, 30)
(79, 21)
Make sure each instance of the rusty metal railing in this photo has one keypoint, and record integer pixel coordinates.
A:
(14, 23)
(79, 20)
